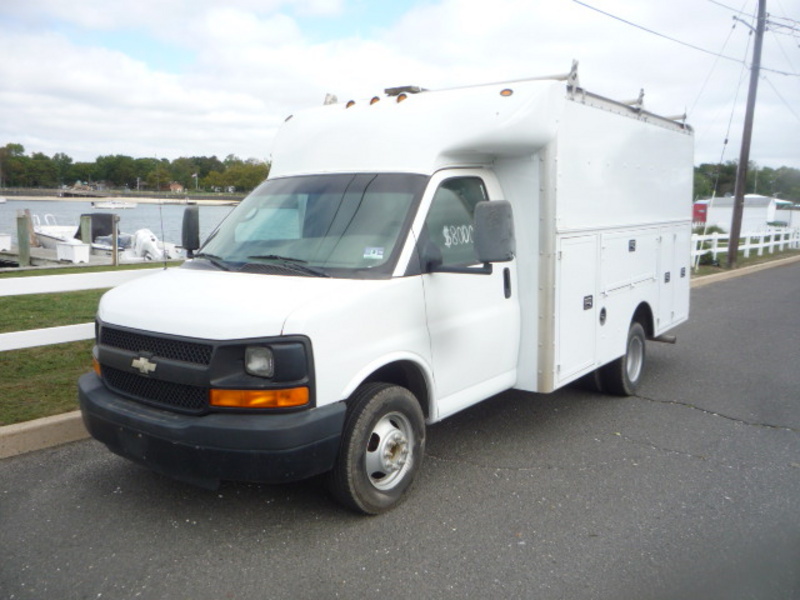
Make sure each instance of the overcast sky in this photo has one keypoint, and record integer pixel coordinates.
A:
(171, 78)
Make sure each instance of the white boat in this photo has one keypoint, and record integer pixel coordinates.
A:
(113, 204)
(49, 233)
(141, 245)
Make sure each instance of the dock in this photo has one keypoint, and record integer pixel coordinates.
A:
(45, 257)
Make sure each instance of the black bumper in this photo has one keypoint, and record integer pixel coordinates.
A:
(204, 450)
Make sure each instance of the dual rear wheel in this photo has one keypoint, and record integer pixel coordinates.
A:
(623, 376)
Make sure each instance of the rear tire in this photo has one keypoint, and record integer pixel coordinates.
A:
(382, 447)
(623, 376)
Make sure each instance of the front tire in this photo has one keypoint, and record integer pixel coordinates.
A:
(623, 376)
(381, 451)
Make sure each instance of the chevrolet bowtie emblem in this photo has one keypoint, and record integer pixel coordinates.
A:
(143, 365)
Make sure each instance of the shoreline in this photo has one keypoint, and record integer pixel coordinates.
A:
(164, 201)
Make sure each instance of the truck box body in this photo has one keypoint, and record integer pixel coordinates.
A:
(586, 177)
(355, 265)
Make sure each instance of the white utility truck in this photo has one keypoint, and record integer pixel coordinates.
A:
(407, 257)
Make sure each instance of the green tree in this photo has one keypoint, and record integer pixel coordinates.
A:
(63, 166)
(247, 176)
(12, 161)
(118, 170)
(83, 172)
(787, 183)
(159, 178)
(213, 181)
(231, 161)
(243, 176)
(182, 169)
(143, 168)
(206, 164)
(703, 184)
(17, 171)
(42, 171)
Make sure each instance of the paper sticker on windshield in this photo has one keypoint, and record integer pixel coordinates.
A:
(373, 253)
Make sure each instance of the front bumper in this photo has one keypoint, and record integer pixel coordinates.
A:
(207, 449)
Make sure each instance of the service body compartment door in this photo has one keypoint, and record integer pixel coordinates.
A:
(628, 276)
(683, 260)
(673, 307)
(576, 307)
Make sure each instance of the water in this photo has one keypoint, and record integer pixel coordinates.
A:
(144, 216)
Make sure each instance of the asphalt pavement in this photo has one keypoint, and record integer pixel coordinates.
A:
(689, 490)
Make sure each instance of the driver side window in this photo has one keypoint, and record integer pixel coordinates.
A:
(450, 220)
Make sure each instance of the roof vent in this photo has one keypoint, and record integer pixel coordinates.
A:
(404, 89)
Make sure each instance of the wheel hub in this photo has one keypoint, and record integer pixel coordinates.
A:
(389, 451)
(395, 452)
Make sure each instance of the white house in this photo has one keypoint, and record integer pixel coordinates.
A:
(758, 212)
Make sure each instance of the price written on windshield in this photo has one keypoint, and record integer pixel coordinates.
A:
(457, 235)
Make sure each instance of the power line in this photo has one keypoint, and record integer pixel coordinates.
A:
(774, 89)
(780, 46)
(677, 41)
(795, 21)
(769, 16)
(671, 39)
(739, 12)
(793, 27)
(713, 67)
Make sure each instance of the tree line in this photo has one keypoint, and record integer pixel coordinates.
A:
(720, 180)
(17, 169)
(37, 170)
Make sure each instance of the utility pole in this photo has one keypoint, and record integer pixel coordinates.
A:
(744, 156)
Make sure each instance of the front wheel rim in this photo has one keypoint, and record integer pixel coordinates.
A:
(390, 451)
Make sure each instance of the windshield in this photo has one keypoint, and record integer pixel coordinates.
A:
(328, 225)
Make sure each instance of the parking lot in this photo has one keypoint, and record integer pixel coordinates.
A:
(689, 490)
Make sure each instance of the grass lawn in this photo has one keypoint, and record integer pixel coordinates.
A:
(744, 262)
(37, 311)
(39, 382)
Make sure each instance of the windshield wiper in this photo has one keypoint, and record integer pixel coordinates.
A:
(290, 259)
(296, 263)
(215, 260)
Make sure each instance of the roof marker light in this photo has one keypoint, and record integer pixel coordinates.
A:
(375, 100)
(350, 103)
(401, 97)
(506, 92)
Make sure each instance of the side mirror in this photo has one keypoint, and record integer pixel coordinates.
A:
(494, 231)
(190, 238)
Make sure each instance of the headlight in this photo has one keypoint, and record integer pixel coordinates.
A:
(259, 361)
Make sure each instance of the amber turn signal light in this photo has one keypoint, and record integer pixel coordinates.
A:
(260, 398)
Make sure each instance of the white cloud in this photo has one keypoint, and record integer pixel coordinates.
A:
(251, 63)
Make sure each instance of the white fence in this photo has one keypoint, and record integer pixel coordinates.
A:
(769, 240)
(47, 284)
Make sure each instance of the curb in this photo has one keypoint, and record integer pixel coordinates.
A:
(708, 279)
(39, 434)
